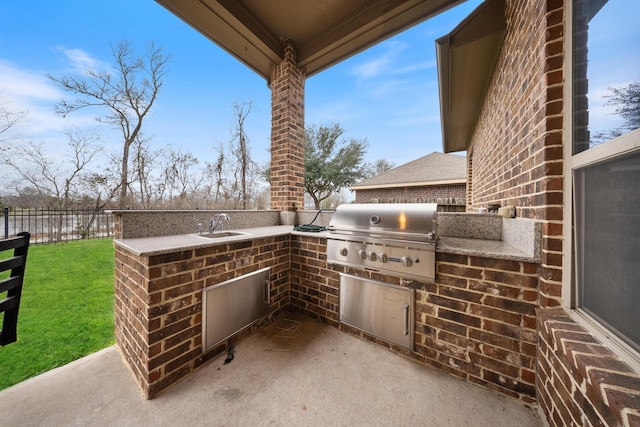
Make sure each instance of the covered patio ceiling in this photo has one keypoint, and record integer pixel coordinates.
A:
(324, 32)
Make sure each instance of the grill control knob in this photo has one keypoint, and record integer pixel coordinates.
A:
(383, 257)
(406, 261)
(373, 256)
(344, 251)
(362, 254)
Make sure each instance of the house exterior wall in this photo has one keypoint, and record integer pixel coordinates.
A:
(516, 158)
(516, 150)
(452, 198)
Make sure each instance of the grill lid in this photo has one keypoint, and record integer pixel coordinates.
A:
(407, 221)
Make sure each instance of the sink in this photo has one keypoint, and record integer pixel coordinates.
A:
(221, 234)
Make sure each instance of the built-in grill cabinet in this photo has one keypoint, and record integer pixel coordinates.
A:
(396, 239)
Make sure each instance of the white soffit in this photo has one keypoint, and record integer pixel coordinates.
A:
(324, 32)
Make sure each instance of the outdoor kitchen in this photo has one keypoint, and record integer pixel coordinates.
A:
(529, 296)
(454, 291)
(502, 310)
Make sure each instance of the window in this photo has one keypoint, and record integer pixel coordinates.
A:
(606, 164)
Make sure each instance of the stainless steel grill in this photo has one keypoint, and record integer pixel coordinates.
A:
(392, 238)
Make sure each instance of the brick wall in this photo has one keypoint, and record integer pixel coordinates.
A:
(476, 322)
(287, 133)
(519, 127)
(315, 289)
(580, 381)
(516, 157)
(516, 152)
(158, 303)
(445, 195)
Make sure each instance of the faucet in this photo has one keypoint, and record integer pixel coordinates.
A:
(217, 219)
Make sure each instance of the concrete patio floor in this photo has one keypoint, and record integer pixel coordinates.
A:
(316, 376)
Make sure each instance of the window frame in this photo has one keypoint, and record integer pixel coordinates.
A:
(621, 145)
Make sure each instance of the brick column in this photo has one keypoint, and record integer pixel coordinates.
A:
(287, 133)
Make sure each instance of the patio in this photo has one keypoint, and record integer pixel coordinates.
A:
(295, 371)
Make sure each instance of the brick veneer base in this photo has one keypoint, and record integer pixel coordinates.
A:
(476, 322)
(580, 381)
(158, 304)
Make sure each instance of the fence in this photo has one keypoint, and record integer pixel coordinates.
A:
(57, 225)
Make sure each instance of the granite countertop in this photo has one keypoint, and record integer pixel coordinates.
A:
(149, 246)
(496, 249)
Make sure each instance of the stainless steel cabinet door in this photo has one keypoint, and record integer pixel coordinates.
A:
(381, 309)
(229, 306)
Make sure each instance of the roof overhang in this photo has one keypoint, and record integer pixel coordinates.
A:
(466, 59)
(324, 32)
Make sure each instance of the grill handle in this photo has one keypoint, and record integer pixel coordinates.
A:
(265, 291)
(406, 319)
(420, 237)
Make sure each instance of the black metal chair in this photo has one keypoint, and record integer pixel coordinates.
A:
(12, 284)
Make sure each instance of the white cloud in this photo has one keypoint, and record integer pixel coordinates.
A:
(385, 62)
(420, 66)
(391, 62)
(603, 117)
(81, 62)
(372, 68)
(21, 84)
(31, 91)
(333, 112)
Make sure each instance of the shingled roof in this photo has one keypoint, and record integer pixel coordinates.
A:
(432, 169)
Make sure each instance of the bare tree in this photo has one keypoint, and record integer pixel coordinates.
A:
(9, 118)
(102, 189)
(217, 173)
(626, 101)
(180, 176)
(127, 94)
(143, 164)
(378, 167)
(186, 178)
(241, 151)
(60, 180)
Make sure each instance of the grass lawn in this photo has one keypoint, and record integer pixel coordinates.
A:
(66, 310)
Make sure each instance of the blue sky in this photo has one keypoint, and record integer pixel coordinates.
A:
(386, 95)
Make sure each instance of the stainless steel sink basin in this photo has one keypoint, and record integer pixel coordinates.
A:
(221, 234)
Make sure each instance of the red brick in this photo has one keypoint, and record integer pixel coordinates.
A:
(495, 314)
(494, 339)
(511, 278)
(447, 302)
(496, 264)
(521, 307)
